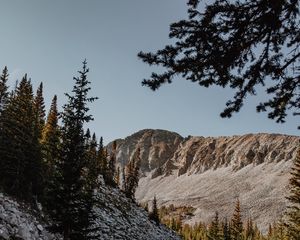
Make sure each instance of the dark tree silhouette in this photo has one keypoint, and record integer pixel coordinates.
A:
(153, 215)
(294, 198)
(102, 159)
(111, 168)
(240, 44)
(226, 230)
(40, 108)
(20, 152)
(72, 215)
(50, 152)
(214, 229)
(3, 88)
(132, 174)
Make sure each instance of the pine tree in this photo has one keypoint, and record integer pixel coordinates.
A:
(50, 152)
(73, 215)
(110, 177)
(3, 101)
(50, 134)
(237, 225)
(154, 212)
(40, 108)
(237, 44)
(3, 88)
(19, 146)
(93, 165)
(132, 175)
(102, 160)
(146, 207)
(249, 231)
(226, 231)
(293, 216)
(214, 230)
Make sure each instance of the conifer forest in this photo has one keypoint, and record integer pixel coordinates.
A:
(51, 159)
(69, 184)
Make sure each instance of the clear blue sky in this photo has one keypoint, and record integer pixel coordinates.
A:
(49, 39)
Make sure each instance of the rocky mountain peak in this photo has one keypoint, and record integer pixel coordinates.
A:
(210, 173)
(164, 152)
(156, 146)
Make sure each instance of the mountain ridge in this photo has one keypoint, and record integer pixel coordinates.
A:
(209, 173)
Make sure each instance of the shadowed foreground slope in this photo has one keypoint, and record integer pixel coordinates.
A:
(117, 216)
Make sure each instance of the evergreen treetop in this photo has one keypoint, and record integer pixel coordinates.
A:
(294, 198)
(238, 44)
(40, 106)
(3, 88)
(73, 215)
(236, 223)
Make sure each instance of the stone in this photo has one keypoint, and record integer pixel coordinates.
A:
(40, 227)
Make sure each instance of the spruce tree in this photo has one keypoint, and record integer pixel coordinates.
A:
(3, 101)
(73, 210)
(294, 199)
(102, 159)
(40, 108)
(93, 165)
(226, 231)
(50, 133)
(19, 145)
(214, 230)
(249, 231)
(132, 175)
(50, 151)
(154, 212)
(3, 88)
(110, 177)
(237, 224)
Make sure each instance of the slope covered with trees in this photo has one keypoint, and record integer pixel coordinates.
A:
(61, 167)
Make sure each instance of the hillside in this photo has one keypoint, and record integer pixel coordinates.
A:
(210, 173)
(118, 218)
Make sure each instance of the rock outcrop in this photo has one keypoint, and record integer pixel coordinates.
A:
(18, 222)
(210, 173)
(156, 146)
(118, 218)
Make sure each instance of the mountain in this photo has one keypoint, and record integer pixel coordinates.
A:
(117, 216)
(210, 173)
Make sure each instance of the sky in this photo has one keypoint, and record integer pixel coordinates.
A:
(50, 39)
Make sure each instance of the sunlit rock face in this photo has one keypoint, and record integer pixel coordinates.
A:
(156, 147)
(210, 173)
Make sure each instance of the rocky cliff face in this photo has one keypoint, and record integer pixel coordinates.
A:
(156, 146)
(199, 154)
(210, 173)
